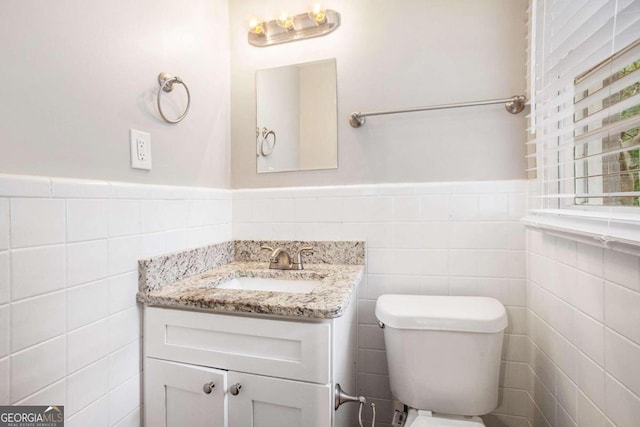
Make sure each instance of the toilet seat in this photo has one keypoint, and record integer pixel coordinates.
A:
(417, 418)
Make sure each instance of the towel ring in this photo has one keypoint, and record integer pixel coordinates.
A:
(166, 82)
(265, 134)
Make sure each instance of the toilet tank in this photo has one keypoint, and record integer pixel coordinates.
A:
(443, 352)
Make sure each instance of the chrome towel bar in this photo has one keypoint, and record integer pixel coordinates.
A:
(514, 105)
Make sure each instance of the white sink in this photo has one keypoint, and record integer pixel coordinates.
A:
(273, 285)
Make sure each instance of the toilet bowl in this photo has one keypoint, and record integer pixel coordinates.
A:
(443, 355)
(418, 418)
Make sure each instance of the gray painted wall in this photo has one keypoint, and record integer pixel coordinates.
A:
(76, 75)
(397, 54)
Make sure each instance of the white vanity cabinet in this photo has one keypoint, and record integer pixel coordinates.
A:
(265, 372)
(266, 401)
(175, 395)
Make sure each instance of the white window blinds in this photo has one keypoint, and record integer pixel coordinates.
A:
(587, 108)
(606, 134)
(586, 114)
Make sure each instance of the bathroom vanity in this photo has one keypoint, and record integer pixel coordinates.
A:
(230, 342)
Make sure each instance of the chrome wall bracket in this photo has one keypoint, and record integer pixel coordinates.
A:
(516, 105)
(342, 397)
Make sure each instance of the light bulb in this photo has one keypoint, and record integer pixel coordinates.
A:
(257, 27)
(285, 21)
(318, 14)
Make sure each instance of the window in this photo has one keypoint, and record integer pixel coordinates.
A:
(607, 131)
(586, 114)
(584, 142)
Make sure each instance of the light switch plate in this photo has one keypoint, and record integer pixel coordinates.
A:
(140, 149)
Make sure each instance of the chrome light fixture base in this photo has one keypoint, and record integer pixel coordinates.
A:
(304, 27)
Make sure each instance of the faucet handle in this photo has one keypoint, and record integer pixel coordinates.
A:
(305, 249)
(271, 251)
(268, 248)
(298, 262)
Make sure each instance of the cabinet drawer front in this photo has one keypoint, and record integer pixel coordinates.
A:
(286, 349)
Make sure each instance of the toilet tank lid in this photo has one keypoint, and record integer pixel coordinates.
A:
(442, 313)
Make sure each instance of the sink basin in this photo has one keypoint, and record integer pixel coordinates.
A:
(273, 285)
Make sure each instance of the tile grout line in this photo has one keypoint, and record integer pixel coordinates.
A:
(66, 300)
(10, 302)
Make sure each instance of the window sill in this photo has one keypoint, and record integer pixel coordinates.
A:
(619, 234)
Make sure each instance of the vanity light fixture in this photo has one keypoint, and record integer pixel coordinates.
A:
(318, 14)
(256, 27)
(285, 21)
(288, 28)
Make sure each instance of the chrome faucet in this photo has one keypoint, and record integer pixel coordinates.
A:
(281, 260)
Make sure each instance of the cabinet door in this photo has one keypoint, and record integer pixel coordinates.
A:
(175, 397)
(268, 402)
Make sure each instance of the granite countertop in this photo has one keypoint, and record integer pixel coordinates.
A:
(329, 299)
(183, 281)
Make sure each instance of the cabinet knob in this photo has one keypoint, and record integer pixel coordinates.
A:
(235, 389)
(208, 387)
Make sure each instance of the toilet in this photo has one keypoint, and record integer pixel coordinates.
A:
(443, 354)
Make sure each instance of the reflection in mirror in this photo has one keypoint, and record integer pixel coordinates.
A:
(296, 125)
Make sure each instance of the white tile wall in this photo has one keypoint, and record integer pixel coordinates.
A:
(123, 400)
(87, 220)
(86, 262)
(4, 277)
(79, 313)
(570, 352)
(584, 331)
(87, 385)
(55, 392)
(69, 323)
(35, 271)
(93, 415)
(28, 324)
(4, 224)
(36, 222)
(36, 367)
(87, 344)
(437, 239)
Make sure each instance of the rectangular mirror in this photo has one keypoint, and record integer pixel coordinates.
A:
(296, 115)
